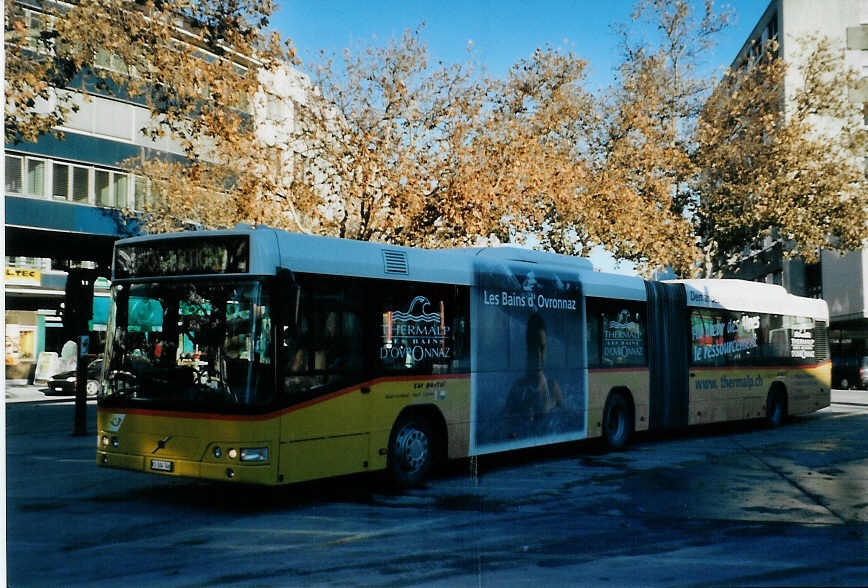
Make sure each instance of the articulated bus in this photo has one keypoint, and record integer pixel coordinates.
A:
(261, 356)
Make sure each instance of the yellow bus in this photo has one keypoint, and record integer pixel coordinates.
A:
(267, 357)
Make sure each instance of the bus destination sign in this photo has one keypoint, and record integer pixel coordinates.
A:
(183, 257)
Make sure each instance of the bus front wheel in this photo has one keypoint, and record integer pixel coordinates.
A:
(411, 451)
(617, 421)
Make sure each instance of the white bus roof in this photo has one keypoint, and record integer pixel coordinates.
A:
(603, 285)
(272, 249)
(751, 296)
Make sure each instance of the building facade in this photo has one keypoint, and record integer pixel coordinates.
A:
(67, 200)
(842, 280)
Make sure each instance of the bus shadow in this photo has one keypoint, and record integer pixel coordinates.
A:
(198, 495)
(711, 430)
(375, 489)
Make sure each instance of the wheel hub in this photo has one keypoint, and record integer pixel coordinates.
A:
(413, 448)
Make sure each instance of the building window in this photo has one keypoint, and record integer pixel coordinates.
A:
(60, 181)
(103, 188)
(14, 184)
(776, 278)
(771, 34)
(35, 26)
(120, 189)
(813, 280)
(111, 61)
(80, 184)
(772, 28)
(140, 196)
(37, 263)
(67, 182)
(35, 177)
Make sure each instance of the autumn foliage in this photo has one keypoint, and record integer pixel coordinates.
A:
(665, 168)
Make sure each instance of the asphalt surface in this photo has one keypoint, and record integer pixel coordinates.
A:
(712, 506)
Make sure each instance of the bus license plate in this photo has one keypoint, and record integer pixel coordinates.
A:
(162, 465)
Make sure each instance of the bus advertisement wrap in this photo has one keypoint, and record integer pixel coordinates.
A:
(529, 386)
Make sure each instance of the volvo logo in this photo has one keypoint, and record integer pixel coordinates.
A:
(161, 444)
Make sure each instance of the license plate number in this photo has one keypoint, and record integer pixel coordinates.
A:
(162, 465)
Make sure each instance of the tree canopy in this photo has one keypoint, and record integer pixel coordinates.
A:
(665, 168)
(797, 174)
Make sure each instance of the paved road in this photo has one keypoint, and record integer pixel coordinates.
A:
(708, 507)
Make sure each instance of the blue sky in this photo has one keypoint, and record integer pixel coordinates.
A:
(501, 32)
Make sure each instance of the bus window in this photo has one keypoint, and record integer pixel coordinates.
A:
(616, 334)
(742, 335)
(417, 329)
(206, 344)
(787, 339)
(461, 333)
(720, 338)
(322, 339)
(593, 335)
(707, 328)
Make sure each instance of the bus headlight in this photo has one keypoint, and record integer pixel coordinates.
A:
(254, 454)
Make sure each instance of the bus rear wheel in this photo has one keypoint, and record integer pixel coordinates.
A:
(411, 451)
(776, 408)
(617, 421)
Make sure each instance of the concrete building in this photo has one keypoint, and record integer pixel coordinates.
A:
(65, 202)
(68, 200)
(842, 280)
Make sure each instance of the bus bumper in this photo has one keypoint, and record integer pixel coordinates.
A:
(230, 472)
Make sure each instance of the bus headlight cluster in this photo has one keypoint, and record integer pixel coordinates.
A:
(254, 454)
(231, 453)
(249, 454)
(113, 441)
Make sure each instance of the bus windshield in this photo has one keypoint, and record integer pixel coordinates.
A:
(191, 345)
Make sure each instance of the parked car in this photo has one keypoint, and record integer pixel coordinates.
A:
(64, 383)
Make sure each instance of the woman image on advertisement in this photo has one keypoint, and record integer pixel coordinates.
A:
(534, 394)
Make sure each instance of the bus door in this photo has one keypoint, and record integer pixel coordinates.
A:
(667, 355)
(325, 425)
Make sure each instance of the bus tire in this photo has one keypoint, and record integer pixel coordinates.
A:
(776, 407)
(617, 421)
(411, 450)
